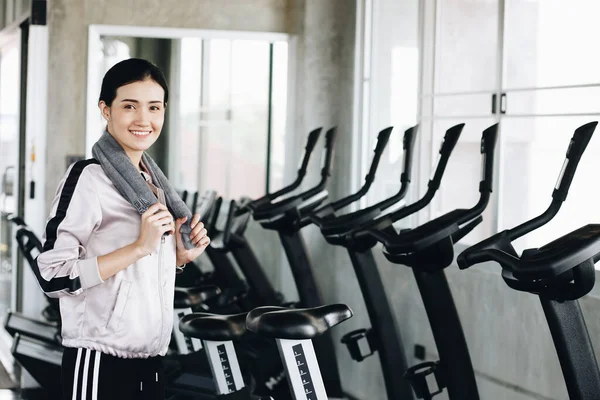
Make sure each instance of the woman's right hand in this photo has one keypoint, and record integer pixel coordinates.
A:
(155, 222)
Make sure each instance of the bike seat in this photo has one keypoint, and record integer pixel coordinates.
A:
(303, 323)
(194, 296)
(217, 328)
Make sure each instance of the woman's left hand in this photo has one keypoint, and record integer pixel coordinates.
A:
(199, 239)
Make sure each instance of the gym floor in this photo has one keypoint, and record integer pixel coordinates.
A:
(29, 395)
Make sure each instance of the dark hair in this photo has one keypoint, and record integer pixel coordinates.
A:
(129, 71)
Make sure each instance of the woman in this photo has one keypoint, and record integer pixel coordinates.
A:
(116, 234)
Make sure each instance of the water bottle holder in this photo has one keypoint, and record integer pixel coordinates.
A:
(351, 340)
(417, 376)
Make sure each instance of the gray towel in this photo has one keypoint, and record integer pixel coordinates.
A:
(130, 183)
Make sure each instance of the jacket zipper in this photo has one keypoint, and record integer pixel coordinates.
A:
(160, 293)
(161, 199)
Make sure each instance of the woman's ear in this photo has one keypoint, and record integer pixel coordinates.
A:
(104, 109)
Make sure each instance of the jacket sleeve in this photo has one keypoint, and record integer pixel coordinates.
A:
(64, 268)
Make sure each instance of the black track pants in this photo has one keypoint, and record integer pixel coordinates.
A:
(91, 375)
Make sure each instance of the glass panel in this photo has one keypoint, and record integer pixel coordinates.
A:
(463, 105)
(554, 101)
(394, 89)
(460, 183)
(250, 108)
(467, 41)
(224, 95)
(549, 42)
(278, 114)
(534, 152)
(190, 97)
(214, 157)
(9, 151)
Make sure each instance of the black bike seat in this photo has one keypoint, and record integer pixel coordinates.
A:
(303, 323)
(194, 296)
(217, 328)
(558, 256)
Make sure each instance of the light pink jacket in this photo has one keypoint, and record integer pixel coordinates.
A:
(128, 315)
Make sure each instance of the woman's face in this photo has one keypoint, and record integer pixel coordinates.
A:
(136, 116)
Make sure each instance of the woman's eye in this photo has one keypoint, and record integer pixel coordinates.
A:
(155, 108)
(129, 106)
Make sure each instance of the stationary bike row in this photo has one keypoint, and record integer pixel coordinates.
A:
(286, 214)
(325, 213)
(281, 212)
(427, 250)
(560, 273)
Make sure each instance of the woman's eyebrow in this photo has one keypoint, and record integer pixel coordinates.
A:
(136, 101)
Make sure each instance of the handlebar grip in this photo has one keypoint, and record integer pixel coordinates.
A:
(313, 137)
(507, 261)
(577, 146)
(409, 145)
(330, 137)
(450, 140)
(229, 222)
(469, 258)
(382, 141)
(488, 144)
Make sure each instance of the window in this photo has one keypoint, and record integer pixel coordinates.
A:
(390, 87)
(482, 62)
(225, 110)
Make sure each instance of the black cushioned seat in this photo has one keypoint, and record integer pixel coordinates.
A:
(218, 328)
(194, 296)
(303, 323)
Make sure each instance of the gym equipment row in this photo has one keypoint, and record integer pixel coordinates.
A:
(237, 337)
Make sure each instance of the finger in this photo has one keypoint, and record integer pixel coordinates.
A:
(204, 242)
(151, 210)
(159, 215)
(163, 221)
(201, 239)
(200, 234)
(195, 220)
(197, 229)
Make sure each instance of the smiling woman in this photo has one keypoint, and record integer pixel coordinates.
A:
(111, 246)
